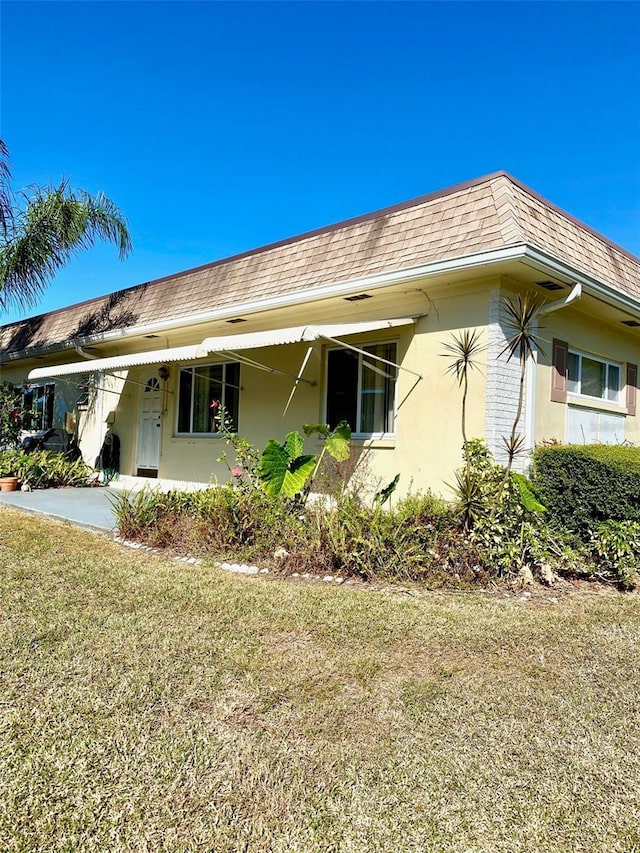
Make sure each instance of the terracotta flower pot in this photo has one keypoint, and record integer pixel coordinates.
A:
(8, 484)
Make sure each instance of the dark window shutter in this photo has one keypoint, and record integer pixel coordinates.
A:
(559, 371)
(632, 388)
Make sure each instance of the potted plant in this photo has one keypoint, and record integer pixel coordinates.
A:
(8, 471)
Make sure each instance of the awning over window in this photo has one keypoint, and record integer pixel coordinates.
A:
(222, 344)
(118, 362)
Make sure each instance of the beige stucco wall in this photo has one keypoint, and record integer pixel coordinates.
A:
(426, 448)
(592, 336)
(427, 445)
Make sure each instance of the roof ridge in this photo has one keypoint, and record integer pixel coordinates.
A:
(511, 228)
(573, 219)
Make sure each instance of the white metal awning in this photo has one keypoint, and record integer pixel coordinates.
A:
(118, 362)
(221, 344)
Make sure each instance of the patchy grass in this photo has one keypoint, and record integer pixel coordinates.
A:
(147, 705)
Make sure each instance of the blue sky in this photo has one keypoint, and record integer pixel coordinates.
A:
(218, 127)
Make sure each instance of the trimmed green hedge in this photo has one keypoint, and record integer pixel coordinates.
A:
(585, 484)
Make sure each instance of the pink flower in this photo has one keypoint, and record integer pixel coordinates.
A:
(236, 471)
(215, 404)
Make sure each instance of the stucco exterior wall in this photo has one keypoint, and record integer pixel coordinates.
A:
(590, 336)
(427, 445)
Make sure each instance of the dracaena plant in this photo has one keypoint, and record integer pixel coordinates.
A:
(462, 351)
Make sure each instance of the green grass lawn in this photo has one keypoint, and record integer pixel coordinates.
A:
(149, 705)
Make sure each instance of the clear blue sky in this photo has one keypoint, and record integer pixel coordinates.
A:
(218, 127)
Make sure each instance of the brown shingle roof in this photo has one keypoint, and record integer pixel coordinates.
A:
(488, 213)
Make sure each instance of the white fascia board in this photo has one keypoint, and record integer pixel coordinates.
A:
(326, 291)
(590, 285)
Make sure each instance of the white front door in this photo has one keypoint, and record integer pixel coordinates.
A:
(148, 446)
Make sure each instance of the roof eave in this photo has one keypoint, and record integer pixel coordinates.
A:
(520, 251)
(591, 285)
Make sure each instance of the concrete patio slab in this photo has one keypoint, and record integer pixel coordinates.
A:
(90, 508)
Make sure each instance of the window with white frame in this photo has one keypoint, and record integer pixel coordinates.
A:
(204, 391)
(361, 390)
(593, 377)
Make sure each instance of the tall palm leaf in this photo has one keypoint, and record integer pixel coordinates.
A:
(45, 229)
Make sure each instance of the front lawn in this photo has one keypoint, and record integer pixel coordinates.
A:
(149, 705)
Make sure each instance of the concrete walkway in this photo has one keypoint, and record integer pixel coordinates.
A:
(83, 507)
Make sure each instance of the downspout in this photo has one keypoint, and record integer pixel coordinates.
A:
(532, 364)
(84, 353)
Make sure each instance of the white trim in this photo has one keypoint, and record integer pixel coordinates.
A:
(578, 395)
(521, 251)
(325, 291)
(222, 344)
(362, 354)
(591, 285)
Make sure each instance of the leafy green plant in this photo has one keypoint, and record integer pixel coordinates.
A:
(245, 467)
(12, 415)
(43, 469)
(615, 545)
(286, 470)
(588, 484)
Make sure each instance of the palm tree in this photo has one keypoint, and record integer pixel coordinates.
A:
(46, 227)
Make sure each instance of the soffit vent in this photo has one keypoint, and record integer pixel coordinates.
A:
(550, 285)
(236, 320)
(358, 297)
(633, 323)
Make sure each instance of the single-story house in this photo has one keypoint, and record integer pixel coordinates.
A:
(350, 322)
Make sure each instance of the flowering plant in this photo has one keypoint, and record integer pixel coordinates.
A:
(12, 415)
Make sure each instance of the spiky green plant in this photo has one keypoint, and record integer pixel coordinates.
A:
(462, 351)
(522, 343)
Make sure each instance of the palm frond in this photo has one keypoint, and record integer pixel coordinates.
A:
(521, 320)
(462, 350)
(52, 226)
(515, 445)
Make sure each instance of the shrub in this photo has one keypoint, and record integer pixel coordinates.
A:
(218, 521)
(43, 469)
(585, 485)
(615, 547)
(417, 540)
(12, 415)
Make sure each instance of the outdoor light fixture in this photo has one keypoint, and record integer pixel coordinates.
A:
(163, 372)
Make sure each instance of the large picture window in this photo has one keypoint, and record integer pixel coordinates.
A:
(592, 377)
(202, 391)
(361, 390)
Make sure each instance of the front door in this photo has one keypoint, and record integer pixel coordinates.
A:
(148, 446)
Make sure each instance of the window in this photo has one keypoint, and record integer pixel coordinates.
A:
(38, 404)
(362, 391)
(592, 377)
(202, 390)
